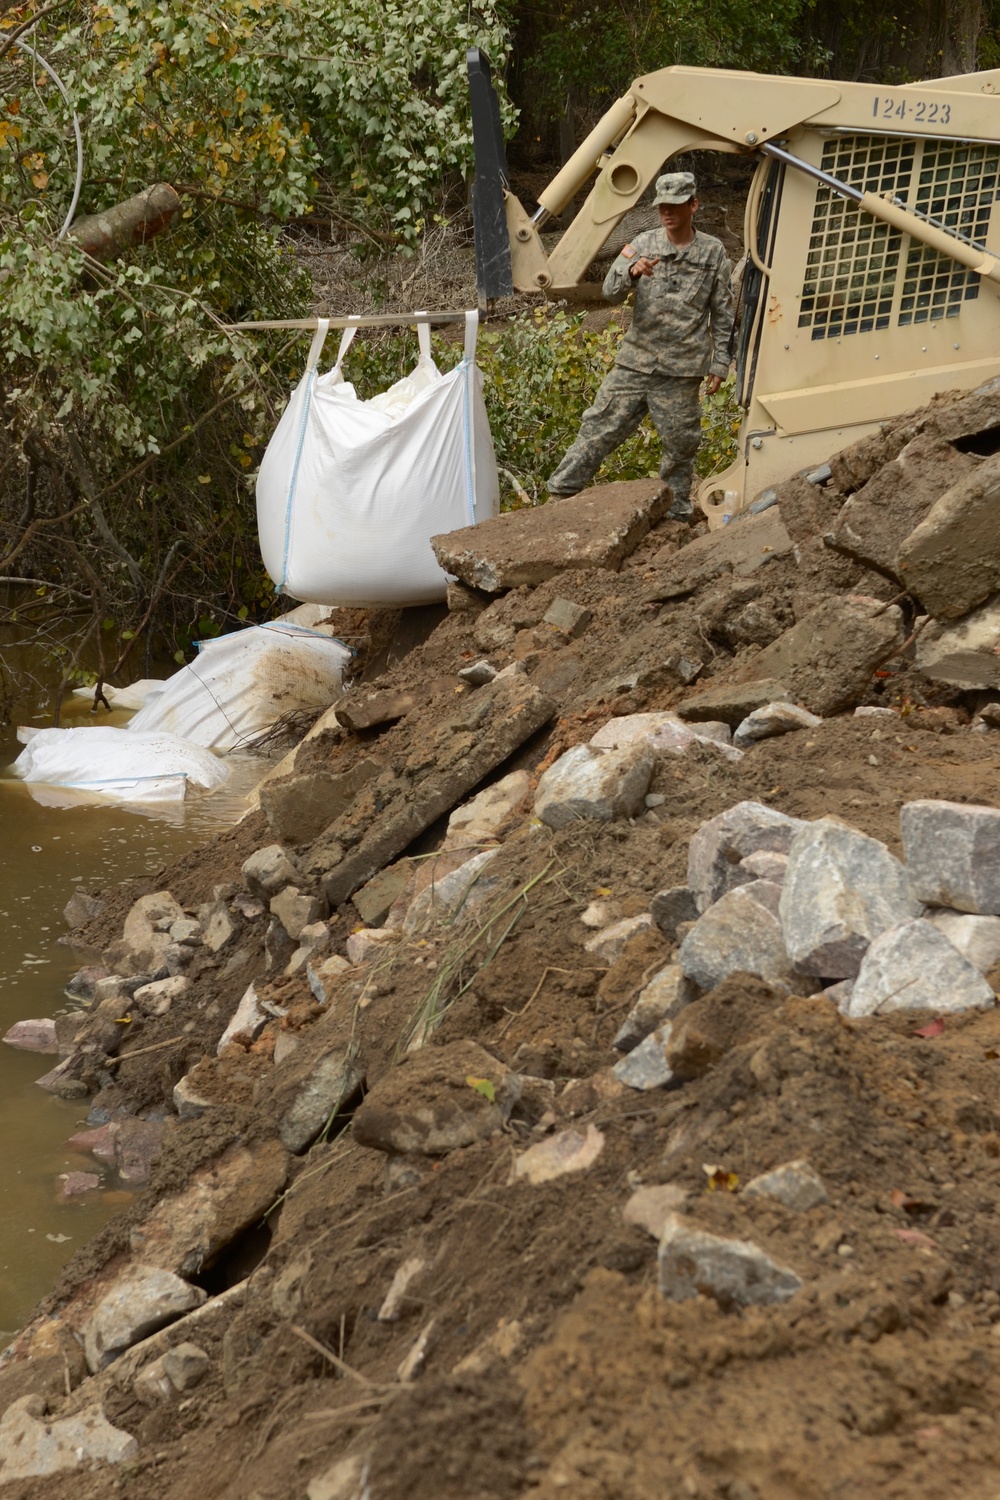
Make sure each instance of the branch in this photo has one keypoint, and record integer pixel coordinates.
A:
(27, 25)
(105, 235)
(86, 483)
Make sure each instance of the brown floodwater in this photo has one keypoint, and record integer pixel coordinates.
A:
(45, 853)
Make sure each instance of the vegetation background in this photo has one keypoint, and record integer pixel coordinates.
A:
(133, 421)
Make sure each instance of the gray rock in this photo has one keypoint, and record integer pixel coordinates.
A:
(268, 871)
(608, 945)
(952, 853)
(951, 560)
(33, 1446)
(248, 1020)
(737, 1273)
(839, 994)
(186, 930)
(219, 929)
(145, 936)
(765, 865)
(188, 1103)
(81, 909)
(33, 1036)
(478, 674)
(795, 1184)
(741, 933)
(142, 1300)
(375, 900)
(323, 977)
(442, 900)
(669, 908)
(572, 619)
(332, 1082)
(827, 658)
(771, 720)
(296, 909)
(179, 1369)
(599, 784)
(299, 807)
(665, 734)
(720, 844)
(83, 984)
(841, 889)
(664, 997)
(646, 1066)
(438, 1100)
(963, 654)
(156, 999)
(63, 1080)
(976, 938)
(914, 967)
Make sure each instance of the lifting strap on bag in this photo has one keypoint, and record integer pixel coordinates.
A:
(471, 334)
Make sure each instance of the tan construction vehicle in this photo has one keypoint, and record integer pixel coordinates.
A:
(872, 235)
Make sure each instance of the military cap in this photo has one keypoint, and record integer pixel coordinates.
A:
(674, 187)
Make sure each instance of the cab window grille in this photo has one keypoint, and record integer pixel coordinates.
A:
(957, 186)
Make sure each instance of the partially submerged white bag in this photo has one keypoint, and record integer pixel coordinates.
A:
(350, 492)
(241, 684)
(119, 764)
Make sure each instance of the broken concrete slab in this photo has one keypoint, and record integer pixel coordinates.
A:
(795, 1184)
(299, 807)
(965, 654)
(359, 712)
(841, 889)
(772, 720)
(952, 415)
(558, 1155)
(718, 847)
(33, 1445)
(876, 520)
(741, 549)
(596, 529)
(731, 702)
(739, 933)
(976, 938)
(599, 784)
(737, 1273)
(323, 979)
(368, 942)
(915, 967)
(827, 658)
(506, 713)
(182, 1367)
(143, 1299)
(952, 853)
(437, 1100)
(951, 560)
(374, 901)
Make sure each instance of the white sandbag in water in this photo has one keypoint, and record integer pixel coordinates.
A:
(350, 492)
(135, 696)
(240, 684)
(117, 763)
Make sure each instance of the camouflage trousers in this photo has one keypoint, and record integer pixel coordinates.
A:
(620, 405)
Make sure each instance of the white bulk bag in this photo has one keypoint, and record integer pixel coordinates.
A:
(115, 762)
(350, 492)
(240, 684)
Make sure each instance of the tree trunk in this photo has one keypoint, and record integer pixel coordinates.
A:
(138, 219)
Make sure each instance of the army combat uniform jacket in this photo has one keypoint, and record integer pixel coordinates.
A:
(682, 318)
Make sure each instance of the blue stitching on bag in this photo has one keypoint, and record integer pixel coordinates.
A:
(293, 481)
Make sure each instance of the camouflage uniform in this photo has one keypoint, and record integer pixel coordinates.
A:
(681, 323)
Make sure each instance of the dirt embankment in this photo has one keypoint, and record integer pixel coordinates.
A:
(401, 1302)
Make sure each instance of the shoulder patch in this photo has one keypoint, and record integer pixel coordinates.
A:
(628, 251)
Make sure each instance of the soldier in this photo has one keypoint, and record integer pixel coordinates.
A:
(681, 324)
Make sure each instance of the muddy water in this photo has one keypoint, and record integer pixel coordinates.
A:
(46, 851)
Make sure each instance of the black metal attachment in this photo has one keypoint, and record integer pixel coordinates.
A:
(493, 273)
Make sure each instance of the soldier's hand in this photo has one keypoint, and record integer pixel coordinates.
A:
(712, 383)
(643, 266)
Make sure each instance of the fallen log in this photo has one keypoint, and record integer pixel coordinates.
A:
(105, 235)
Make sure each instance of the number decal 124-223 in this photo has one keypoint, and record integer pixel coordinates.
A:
(919, 111)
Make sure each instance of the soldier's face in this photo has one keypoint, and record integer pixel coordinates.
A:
(676, 218)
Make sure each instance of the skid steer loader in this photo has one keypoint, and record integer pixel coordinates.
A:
(872, 235)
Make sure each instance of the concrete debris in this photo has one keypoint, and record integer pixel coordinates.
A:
(952, 853)
(915, 967)
(156, 999)
(374, 901)
(314, 940)
(600, 784)
(731, 702)
(650, 1207)
(443, 900)
(219, 928)
(181, 1368)
(976, 938)
(963, 654)
(33, 1036)
(368, 942)
(608, 945)
(63, 1080)
(737, 1273)
(841, 889)
(719, 846)
(795, 1184)
(33, 1446)
(296, 909)
(646, 1066)
(596, 529)
(663, 998)
(866, 712)
(827, 658)
(771, 720)
(145, 936)
(839, 994)
(951, 560)
(142, 1300)
(557, 1155)
(392, 1303)
(375, 710)
(325, 1090)
(670, 908)
(741, 550)
(268, 871)
(301, 806)
(572, 619)
(740, 933)
(437, 1100)
(247, 1021)
(663, 733)
(74, 1184)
